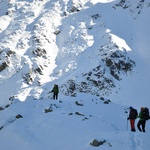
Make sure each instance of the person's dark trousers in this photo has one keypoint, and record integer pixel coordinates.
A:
(55, 96)
(141, 123)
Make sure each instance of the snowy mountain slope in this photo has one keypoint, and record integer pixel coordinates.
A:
(139, 43)
(96, 47)
(45, 44)
(71, 124)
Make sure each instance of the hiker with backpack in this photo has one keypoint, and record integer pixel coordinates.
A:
(144, 116)
(55, 91)
(132, 116)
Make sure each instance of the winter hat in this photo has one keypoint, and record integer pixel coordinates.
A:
(130, 107)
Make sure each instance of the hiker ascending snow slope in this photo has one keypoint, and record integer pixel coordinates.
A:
(143, 115)
(55, 91)
(132, 116)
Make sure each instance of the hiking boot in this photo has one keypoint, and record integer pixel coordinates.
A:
(140, 130)
(133, 130)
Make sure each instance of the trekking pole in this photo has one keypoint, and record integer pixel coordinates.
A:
(127, 126)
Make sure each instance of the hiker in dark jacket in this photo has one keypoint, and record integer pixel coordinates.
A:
(132, 116)
(55, 91)
(141, 121)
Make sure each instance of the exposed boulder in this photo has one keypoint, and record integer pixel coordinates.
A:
(97, 143)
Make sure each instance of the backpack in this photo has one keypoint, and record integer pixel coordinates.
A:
(146, 113)
(133, 114)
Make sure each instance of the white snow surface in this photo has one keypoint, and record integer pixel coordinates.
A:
(74, 49)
